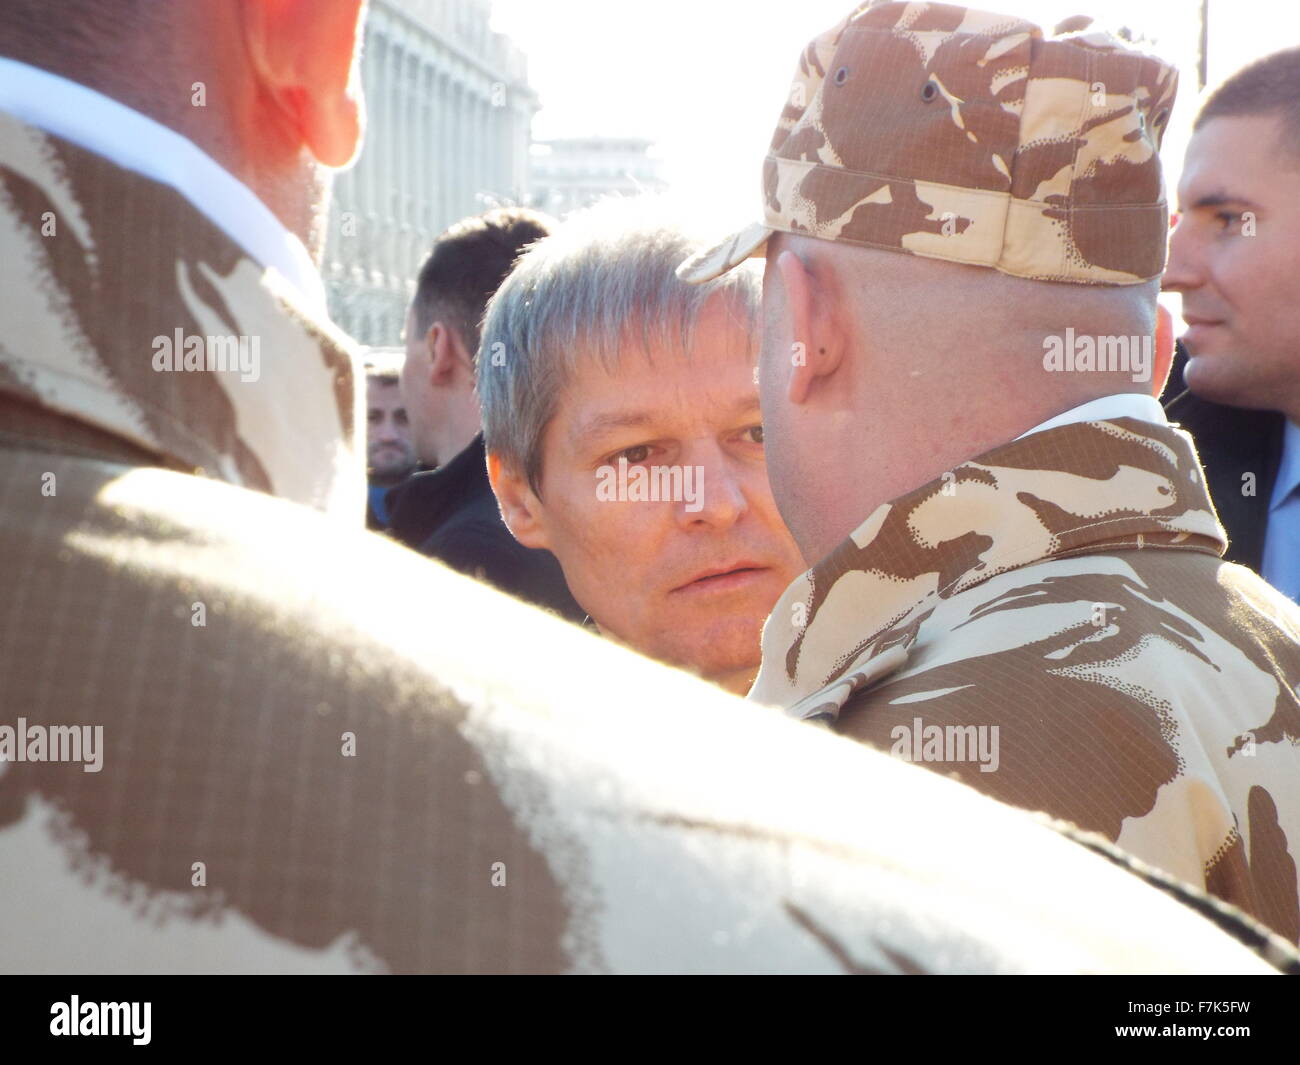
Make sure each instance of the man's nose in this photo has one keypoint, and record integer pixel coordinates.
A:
(713, 496)
(1183, 269)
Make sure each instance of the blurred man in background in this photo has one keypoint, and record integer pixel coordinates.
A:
(623, 433)
(449, 512)
(1235, 259)
(389, 454)
(1019, 579)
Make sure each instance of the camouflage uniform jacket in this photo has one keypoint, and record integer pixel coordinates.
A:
(318, 751)
(1052, 624)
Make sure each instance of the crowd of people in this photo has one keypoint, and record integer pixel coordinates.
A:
(910, 463)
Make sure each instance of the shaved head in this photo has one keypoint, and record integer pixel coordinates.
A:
(881, 370)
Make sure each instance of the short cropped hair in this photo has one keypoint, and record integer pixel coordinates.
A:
(384, 365)
(1268, 86)
(603, 284)
(468, 263)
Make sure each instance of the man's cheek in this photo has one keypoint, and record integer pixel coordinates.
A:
(592, 530)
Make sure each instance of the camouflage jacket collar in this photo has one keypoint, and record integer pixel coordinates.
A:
(1083, 488)
(129, 312)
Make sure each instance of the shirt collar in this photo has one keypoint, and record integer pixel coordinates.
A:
(1121, 405)
(135, 142)
(1288, 470)
(1081, 488)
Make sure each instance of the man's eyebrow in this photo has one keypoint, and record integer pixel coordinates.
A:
(1216, 199)
(635, 419)
(604, 423)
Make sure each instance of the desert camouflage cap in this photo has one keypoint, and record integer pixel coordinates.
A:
(969, 136)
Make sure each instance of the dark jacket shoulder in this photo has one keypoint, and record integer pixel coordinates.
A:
(1240, 451)
(451, 514)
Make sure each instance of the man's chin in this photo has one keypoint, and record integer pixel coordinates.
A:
(1221, 377)
(718, 649)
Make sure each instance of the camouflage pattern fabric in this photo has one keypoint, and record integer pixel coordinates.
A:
(1052, 624)
(290, 432)
(299, 772)
(963, 135)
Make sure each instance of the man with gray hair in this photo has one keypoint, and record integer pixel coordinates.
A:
(1018, 577)
(620, 416)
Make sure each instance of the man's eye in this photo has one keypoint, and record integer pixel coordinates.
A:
(633, 454)
(375, 417)
(1230, 219)
(755, 434)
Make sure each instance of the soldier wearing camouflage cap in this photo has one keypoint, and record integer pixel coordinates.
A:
(221, 750)
(1018, 573)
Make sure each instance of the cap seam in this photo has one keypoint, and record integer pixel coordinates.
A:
(1090, 70)
(990, 264)
(966, 190)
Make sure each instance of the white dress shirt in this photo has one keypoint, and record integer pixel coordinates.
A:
(102, 125)
(1121, 405)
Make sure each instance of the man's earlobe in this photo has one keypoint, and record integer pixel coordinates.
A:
(520, 507)
(815, 345)
(304, 54)
(442, 354)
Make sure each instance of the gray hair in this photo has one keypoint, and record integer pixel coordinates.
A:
(602, 284)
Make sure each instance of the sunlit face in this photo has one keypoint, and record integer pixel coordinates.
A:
(1235, 257)
(688, 580)
(388, 439)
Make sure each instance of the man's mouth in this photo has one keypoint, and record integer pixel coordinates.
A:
(723, 578)
(1198, 329)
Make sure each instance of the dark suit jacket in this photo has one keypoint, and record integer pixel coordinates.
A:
(452, 515)
(1232, 443)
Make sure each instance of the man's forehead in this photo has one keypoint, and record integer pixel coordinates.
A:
(383, 392)
(1231, 158)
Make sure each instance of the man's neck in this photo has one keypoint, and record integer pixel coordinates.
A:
(915, 443)
(295, 190)
(455, 445)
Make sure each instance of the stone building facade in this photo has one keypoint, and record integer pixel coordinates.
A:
(449, 118)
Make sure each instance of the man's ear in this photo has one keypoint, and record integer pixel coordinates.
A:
(1164, 350)
(448, 356)
(304, 58)
(817, 348)
(520, 507)
(440, 343)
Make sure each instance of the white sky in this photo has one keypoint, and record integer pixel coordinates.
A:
(706, 79)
